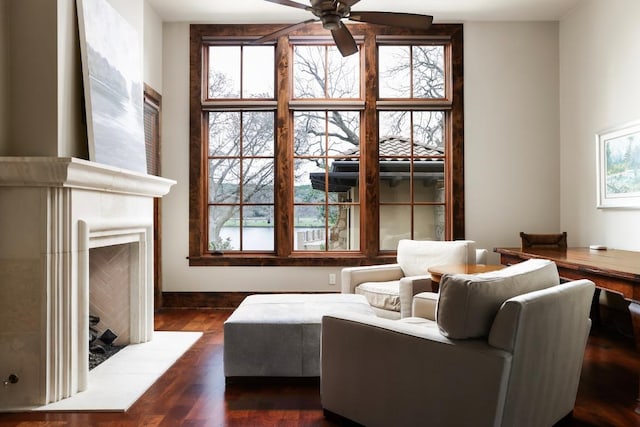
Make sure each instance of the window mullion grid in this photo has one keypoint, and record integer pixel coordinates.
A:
(241, 177)
(411, 173)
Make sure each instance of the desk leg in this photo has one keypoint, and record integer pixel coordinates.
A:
(634, 309)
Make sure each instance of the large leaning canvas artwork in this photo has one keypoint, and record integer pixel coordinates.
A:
(112, 74)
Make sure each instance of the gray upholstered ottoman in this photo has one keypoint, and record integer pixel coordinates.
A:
(278, 335)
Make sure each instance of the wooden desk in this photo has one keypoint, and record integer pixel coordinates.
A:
(613, 270)
(438, 270)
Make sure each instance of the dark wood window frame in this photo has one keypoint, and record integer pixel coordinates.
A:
(284, 255)
(152, 102)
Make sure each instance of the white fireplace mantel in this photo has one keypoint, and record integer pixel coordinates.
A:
(52, 212)
(70, 172)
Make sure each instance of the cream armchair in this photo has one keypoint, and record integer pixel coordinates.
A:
(512, 362)
(390, 288)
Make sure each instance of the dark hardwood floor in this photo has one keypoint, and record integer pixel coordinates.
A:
(193, 392)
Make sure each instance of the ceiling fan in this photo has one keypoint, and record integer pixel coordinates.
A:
(332, 12)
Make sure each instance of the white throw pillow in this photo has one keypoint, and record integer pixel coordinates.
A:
(468, 303)
(416, 256)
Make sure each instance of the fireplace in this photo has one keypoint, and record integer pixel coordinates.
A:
(55, 213)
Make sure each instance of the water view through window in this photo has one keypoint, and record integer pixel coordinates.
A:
(259, 238)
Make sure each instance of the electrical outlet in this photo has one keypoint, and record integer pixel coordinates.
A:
(332, 279)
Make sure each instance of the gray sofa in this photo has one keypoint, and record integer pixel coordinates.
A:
(500, 353)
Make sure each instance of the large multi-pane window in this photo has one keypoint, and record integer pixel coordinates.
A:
(300, 156)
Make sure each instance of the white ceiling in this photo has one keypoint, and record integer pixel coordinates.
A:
(262, 12)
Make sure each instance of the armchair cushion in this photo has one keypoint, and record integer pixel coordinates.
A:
(384, 295)
(416, 256)
(467, 304)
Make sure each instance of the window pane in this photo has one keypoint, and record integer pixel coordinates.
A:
(428, 72)
(429, 179)
(395, 224)
(258, 180)
(343, 74)
(343, 179)
(395, 183)
(309, 228)
(395, 71)
(345, 234)
(428, 130)
(309, 72)
(224, 181)
(309, 133)
(428, 222)
(224, 72)
(342, 236)
(312, 128)
(258, 72)
(395, 124)
(224, 233)
(344, 132)
(310, 179)
(322, 72)
(258, 131)
(257, 229)
(224, 134)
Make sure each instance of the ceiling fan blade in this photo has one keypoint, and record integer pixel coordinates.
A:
(285, 30)
(406, 20)
(349, 2)
(344, 40)
(291, 3)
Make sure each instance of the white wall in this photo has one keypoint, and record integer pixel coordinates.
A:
(72, 132)
(152, 48)
(511, 153)
(600, 88)
(33, 77)
(41, 79)
(511, 131)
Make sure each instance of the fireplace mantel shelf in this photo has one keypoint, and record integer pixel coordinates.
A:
(71, 172)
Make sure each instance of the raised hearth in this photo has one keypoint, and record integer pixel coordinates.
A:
(54, 211)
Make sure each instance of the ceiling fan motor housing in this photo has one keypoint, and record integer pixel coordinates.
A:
(330, 12)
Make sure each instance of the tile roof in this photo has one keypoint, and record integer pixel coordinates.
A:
(394, 146)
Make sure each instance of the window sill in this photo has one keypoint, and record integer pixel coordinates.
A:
(297, 260)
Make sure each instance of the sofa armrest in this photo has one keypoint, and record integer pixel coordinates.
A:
(409, 286)
(481, 256)
(353, 276)
(380, 372)
(424, 305)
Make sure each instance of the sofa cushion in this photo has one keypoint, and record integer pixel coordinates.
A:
(467, 303)
(416, 256)
(384, 295)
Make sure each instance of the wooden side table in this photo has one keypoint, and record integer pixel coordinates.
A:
(438, 271)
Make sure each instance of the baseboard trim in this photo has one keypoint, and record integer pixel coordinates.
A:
(219, 300)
